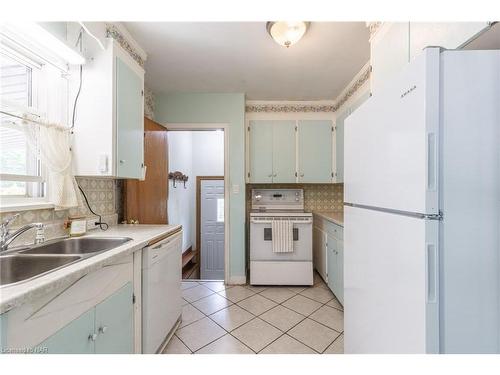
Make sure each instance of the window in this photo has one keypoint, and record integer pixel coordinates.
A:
(20, 168)
(220, 210)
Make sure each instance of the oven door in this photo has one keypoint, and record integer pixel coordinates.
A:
(261, 240)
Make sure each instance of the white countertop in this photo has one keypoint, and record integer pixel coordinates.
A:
(334, 216)
(20, 293)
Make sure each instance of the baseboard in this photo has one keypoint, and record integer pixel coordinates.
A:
(237, 280)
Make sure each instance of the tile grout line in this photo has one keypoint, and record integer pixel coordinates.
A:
(304, 318)
(254, 316)
(333, 342)
(175, 334)
(227, 332)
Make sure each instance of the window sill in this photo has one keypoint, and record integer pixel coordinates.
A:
(24, 206)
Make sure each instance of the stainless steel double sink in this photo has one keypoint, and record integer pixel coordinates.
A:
(26, 263)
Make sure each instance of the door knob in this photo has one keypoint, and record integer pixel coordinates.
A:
(302, 175)
(103, 329)
(122, 161)
(270, 175)
(274, 175)
(92, 336)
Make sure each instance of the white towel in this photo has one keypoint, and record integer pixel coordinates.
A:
(282, 232)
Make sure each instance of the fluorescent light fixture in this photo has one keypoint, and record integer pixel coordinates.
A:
(41, 37)
(287, 33)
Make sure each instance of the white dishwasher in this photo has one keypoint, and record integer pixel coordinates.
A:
(161, 291)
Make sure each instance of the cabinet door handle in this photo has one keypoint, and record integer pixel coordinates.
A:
(103, 329)
(92, 336)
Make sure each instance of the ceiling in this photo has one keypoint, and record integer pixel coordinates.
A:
(242, 57)
(490, 39)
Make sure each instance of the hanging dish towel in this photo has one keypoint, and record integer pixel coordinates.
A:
(282, 232)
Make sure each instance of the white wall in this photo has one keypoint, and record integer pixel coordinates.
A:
(208, 153)
(194, 153)
(180, 202)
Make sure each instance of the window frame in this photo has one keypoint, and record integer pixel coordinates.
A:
(36, 192)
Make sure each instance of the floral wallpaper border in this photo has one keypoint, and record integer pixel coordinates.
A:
(113, 32)
(290, 108)
(286, 108)
(354, 87)
(373, 27)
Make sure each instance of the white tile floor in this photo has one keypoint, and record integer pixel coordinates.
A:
(219, 319)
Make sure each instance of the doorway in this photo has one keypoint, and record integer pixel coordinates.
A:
(210, 226)
(199, 151)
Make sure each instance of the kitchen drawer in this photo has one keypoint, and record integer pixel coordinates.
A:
(327, 226)
(335, 230)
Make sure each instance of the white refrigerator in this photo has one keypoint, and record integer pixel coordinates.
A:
(422, 209)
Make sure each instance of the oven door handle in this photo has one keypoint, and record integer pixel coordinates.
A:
(306, 221)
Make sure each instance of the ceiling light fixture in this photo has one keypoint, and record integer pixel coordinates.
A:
(287, 33)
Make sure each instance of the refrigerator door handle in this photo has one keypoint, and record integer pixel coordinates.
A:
(432, 274)
(431, 162)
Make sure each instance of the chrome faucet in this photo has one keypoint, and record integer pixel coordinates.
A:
(6, 236)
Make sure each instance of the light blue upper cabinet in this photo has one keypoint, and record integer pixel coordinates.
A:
(78, 337)
(339, 147)
(114, 323)
(109, 128)
(261, 151)
(129, 122)
(315, 139)
(284, 151)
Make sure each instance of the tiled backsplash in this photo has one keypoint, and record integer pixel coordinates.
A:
(317, 197)
(104, 195)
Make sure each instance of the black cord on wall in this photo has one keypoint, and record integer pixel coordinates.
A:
(102, 225)
(79, 41)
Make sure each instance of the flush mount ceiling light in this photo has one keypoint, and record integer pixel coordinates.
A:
(287, 33)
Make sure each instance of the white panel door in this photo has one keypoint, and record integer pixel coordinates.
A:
(391, 142)
(390, 283)
(212, 230)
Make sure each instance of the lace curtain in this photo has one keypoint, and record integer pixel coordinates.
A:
(52, 143)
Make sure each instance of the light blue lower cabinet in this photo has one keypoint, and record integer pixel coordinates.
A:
(335, 261)
(107, 328)
(114, 323)
(74, 338)
(331, 258)
(340, 272)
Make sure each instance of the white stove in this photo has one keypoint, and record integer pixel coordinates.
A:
(268, 267)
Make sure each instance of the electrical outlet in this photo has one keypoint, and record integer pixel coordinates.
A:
(91, 224)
